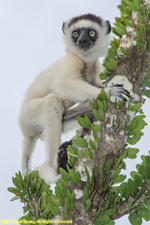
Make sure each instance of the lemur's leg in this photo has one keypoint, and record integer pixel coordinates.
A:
(52, 127)
(28, 146)
(43, 117)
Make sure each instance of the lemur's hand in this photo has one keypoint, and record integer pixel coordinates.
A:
(118, 91)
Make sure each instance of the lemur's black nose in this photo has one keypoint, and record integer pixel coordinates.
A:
(84, 43)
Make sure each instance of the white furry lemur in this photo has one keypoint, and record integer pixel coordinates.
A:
(72, 79)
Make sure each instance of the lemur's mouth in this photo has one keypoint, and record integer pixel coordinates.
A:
(85, 48)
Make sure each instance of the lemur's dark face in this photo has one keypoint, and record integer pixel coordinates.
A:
(84, 38)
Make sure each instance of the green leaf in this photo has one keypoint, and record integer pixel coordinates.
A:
(111, 222)
(147, 203)
(136, 107)
(66, 214)
(97, 214)
(106, 205)
(130, 23)
(147, 161)
(144, 171)
(105, 105)
(147, 193)
(87, 173)
(134, 220)
(13, 190)
(92, 145)
(139, 37)
(132, 125)
(85, 194)
(120, 31)
(103, 76)
(110, 212)
(84, 122)
(46, 211)
(101, 220)
(141, 18)
(72, 160)
(109, 166)
(17, 181)
(89, 153)
(133, 186)
(81, 142)
(114, 189)
(97, 127)
(110, 63)
(43, 200)
(126, 121)
(75, 176)
(71, 195)
(55, 210)
(81, 153)
(145, 213)
(147, 93)
(14, 198)
(100, 104)
(44, 187)
(72, 150)
(124, 190)
(93, 105)
(133, 7)
(58, 201)
(97, 115)
(64, 174)
(147, 82)
(138, 207)
(119, 179)
(95, 133)
(115, 174)
(88, 205)
(132, 152)
(141, 27)
(106, 186)
(113, 63)
(125, 51)
(144, 48)
(145, 10)
(137, 3)
(103, 95)
(133, 140)
(141, 124)
(140, 179)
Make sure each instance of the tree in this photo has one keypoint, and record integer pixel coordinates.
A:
(87, 193)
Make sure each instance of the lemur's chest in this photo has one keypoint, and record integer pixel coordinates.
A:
(88, 73)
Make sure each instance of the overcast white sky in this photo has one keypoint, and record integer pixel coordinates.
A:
(30, 40)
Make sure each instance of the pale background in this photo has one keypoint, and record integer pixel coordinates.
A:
(30, 40)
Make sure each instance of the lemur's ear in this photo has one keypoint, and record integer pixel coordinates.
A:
(108, 27)
(64, 26)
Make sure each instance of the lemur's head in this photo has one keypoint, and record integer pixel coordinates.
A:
(87, 36)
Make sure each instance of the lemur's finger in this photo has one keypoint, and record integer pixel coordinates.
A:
(125, 92)
(117, 85)
(123, 98)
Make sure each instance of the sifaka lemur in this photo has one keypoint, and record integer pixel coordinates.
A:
(72, 79)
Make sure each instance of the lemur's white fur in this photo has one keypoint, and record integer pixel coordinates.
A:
(72, 79)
